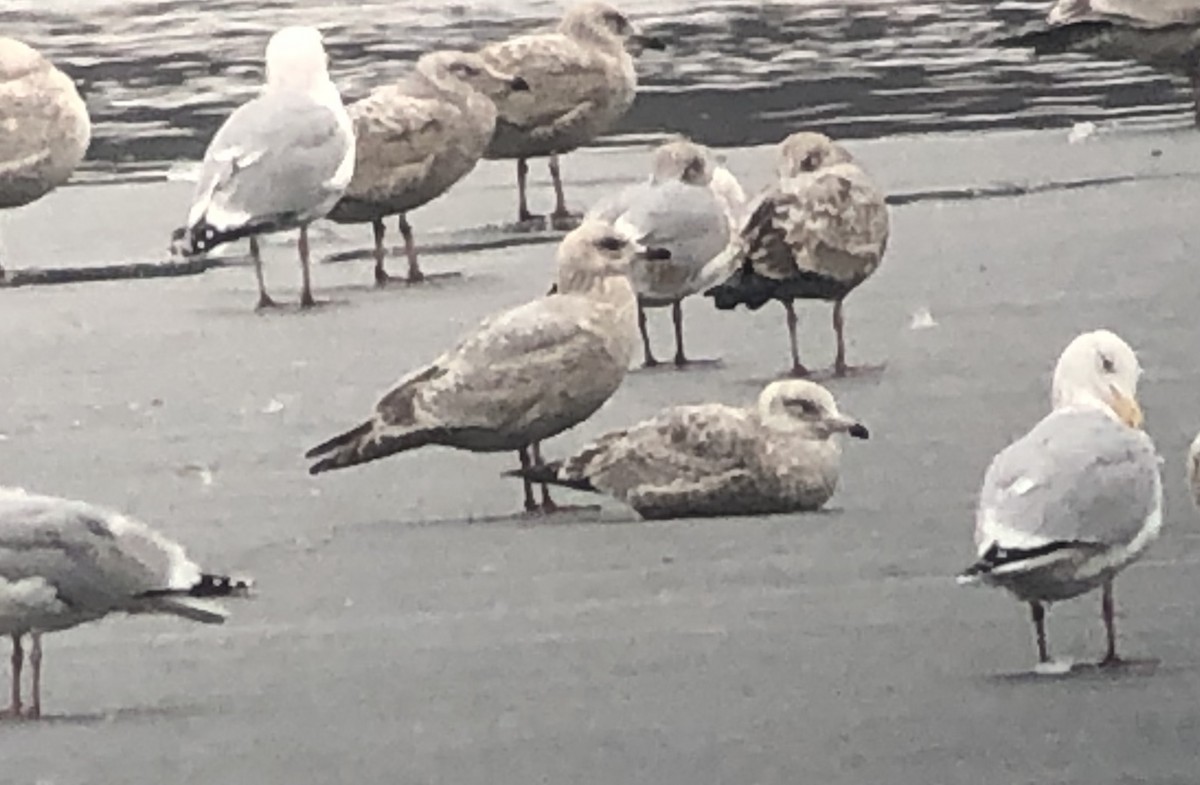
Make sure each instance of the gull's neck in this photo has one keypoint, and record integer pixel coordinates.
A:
(1082, 400)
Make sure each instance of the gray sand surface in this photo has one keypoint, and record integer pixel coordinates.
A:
(400, 637)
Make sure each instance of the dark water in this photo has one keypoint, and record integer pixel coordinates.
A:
(159, 77)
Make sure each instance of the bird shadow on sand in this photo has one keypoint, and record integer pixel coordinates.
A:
(870, 373)
(130, 715)
(691, 366)
(282, 308)
(1084, 672)
(485, 238)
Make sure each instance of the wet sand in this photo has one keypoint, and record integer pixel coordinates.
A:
(401, 636)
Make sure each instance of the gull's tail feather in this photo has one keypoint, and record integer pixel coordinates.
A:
(363, 444)
(548, 473)
(997, 560)
(191, 603)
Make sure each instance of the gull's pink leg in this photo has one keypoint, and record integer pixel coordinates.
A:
(649, 361)
(548, 504)
(792, 322)
(306, 297)
(523, 213)
(378, 230)
(530, 503)
(18, 660)
(410, 250)
(1038, 612)
(1108, 610)
(264, 299)
(35, 667)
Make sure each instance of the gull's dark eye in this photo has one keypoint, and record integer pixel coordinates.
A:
(1107, 364)
(610, 243)
(803, 404)
(616, 22)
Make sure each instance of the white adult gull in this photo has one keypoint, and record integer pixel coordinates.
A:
(522, 376)
(716, 460)
(64, 563)
(44, 126)
(676, 209)
(1069, 505)
(417, 138)
(581, 82)
(281, 160)
(816, 234)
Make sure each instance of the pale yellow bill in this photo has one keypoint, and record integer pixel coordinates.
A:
(1126, 408)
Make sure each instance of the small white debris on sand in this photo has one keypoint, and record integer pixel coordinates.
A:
(1081, 131)
(922, 319)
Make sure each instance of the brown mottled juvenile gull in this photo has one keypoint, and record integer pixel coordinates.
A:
(281, 160)
(417, 138)
(676, 209)
(1162, 34)
(714, 460)
(817, 234)
(522, 376)
(44, 126)
(581, 81)
(64, 563)
(1077, 499)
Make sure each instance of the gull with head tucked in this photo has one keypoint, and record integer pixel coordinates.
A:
(715, 460)
(816, 234)
(44, 123)
(417, 138)
(281, 160)
(1069, 505)
(523, 375)
(677, 208)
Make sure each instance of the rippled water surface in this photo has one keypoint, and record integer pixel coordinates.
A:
(160, 76)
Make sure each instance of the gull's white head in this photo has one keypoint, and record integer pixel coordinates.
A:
(451, 66)
(296, 59)
(681, 160)
(807, 409)
(18, 59)
(596, 251)
(1099, 370)
(806, 152)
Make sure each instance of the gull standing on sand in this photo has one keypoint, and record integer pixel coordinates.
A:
(279, 162)
(524, 375)
(417, 138)
(581, 82)
(716, 460)
(817, 234)
(44, 126)
(1163, 34)
(1077, 499)
(676, 209)
(64, 563)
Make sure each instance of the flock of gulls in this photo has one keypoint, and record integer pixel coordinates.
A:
(1062, 510)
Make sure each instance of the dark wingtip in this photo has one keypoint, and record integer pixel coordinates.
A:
(652, 42)
(859, 431)
(657, 254)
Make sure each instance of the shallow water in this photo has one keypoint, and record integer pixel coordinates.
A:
(160, 76)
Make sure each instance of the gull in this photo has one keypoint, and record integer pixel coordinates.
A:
(581, 82)
(522, 376)
(1163, 34)
(1069, 505)
(818, 233)
(1193, 470)
(44, 126)
(677, 209)
(715, 460)
(280, 161)
(64, 563)
(417, 138)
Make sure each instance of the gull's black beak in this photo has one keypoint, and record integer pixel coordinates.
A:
(519, 84)
(655, 254)
(859, 431)
(650, 42)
